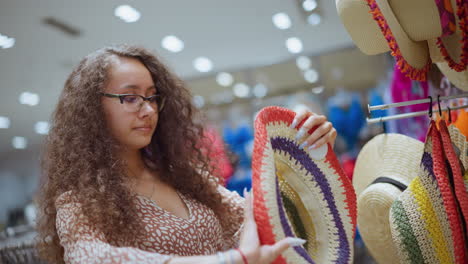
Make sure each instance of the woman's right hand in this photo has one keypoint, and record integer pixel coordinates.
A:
(250, 243)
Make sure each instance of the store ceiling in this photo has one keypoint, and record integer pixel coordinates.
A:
(233, 34)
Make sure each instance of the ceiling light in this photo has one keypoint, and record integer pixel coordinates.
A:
(6, 42)
(294, 45)
(127, 13)
(172, 43)
(42, 127)
(19, 142)
(314, 19)
(303, 62)
(318, 90)
(309, 5)
(203, 64)
(241, 90)
(4, 122)
(260, 90)
(311, 76)
(224, 79)
(281, 21)
(198, 101)
(28, 98)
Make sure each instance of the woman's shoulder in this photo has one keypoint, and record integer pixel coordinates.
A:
(65, 198)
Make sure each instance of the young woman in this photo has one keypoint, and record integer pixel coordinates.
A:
(126, 179)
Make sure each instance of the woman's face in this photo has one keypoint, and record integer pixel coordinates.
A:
(131, 129)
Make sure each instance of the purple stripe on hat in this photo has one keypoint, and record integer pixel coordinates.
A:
(427, 164)
(289, 146)
(287, 229)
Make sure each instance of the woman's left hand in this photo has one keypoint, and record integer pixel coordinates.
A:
(325, 132)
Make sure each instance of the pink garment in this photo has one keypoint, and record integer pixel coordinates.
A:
(218, 157)
(164, 236)
(404, 89)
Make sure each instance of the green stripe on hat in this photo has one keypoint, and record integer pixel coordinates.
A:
(405, 232)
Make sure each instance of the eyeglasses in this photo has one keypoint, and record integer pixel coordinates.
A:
(134, 102)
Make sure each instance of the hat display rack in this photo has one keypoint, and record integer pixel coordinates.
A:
(412, 114)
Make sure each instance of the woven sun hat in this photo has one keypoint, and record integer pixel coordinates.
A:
(460, 146)
(450, 53)
(384, 168)
(401, 26)
(456, 172)
(425, 222)
(300, 193)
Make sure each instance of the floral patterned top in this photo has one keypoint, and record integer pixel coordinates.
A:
(164, 236)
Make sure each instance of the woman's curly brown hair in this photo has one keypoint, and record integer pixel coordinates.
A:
(80, 155)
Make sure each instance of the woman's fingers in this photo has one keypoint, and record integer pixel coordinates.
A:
(300, 115)
(312, 121)
(250, 227)
(271, 252)
(322, 135)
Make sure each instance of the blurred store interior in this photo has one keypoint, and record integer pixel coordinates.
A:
(235, 56)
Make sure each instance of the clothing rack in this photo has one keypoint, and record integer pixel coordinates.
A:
(412, 114)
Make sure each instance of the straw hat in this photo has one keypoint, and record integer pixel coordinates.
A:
(457, 171)
(299, 193)
(400, 26)
(450, 53)
(384, 167)
(425, 224)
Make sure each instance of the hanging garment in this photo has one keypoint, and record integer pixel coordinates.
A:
(347, 119)
(404, 89)
(462, 122)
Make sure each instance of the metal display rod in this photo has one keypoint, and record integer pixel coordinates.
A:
(412, 114)
(413, 102)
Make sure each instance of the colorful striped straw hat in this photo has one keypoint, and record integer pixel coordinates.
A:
(301, 194)
(460, 142)
(456, 172)
(425, 222)
(384, 168)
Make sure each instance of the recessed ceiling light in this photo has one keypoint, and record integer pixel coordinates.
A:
(241, 90)
(172, 43)
(314, 19)
(311, 76)
(198, 101)
(19, 142)
(294, 45)
(318, 90)
(203, 64)
(42, 127)
(281, 20)
(4, 122)
(6, 42)
(260, 90)
(309, 5)
(127, 13)
(303, 62)
(224, 79)
(28, 98)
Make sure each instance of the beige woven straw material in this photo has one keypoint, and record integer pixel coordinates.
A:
(392, 156)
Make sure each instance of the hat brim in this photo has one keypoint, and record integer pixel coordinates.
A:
(394, 156)
(323, 190)
(412, 56)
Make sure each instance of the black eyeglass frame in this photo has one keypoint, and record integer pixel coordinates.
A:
(149, 98)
